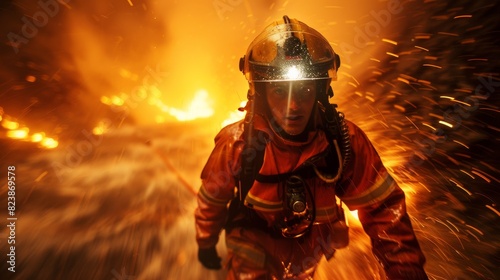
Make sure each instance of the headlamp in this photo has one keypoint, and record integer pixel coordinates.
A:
(293, 73)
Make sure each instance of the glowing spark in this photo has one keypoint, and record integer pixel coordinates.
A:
(447, 97)
(463, 16)
(411, 104)
(353, 78)
(392, 54)
(431, 101)
(40, 177)
(467, 173)
(399, 107)
(490, 109)
(456, 235)
(453, 225)
(432, 65)
(397, 127)
(436, 116)
(446, 123)
(423, 36)
(478, 59)
(461, 187)
(463, 155)
(422, 48)
(478, 231)
(130, 3)
(469, 232)
(493, 209)
(468, 41)
(412, 122)
(423, 82)
(460, 143)
(481, 175)
(420, 183)
(390, 41)
(429, 126)
(403, 80)
(30, 79)
(461, 102)
(448, 33)
(352, 84)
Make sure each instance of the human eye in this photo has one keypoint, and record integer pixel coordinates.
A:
(307, 91)
(279, 91)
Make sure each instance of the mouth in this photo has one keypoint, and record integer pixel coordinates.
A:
(294, 118)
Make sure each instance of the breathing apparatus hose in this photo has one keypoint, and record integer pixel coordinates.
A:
(336, 130)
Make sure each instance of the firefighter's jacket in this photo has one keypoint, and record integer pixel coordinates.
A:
(365, 186)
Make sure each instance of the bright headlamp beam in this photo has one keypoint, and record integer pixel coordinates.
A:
(293, 73)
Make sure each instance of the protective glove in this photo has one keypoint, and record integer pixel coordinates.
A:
(209, 258)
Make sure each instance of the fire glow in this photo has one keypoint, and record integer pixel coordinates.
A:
(16, 132)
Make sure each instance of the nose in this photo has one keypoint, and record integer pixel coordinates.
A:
(294, 102)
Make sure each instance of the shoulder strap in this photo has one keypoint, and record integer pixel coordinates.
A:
(252, 158)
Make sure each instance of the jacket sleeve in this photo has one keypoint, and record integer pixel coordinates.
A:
(370, 189)
(217, 187)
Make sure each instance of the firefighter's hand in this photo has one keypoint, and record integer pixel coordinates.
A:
(209, 258)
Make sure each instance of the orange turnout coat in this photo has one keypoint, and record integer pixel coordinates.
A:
(365, 185)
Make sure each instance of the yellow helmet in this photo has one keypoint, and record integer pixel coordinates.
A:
(289, 50)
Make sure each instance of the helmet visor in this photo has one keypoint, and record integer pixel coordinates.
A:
(289, 51)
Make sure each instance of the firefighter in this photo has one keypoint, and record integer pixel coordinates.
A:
(272, 180)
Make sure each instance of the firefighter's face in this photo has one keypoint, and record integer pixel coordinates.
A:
(291, 104)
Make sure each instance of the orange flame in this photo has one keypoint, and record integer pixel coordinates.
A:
(14, 132)
(198, 108)
(8, 124)
(235, 115)
(18, 133)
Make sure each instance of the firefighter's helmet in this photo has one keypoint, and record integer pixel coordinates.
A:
(289, 50)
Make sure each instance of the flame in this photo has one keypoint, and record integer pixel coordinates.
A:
(37, 137)
(8, 124)
(113, 100)
(18, 133)
(100, 129)
(15, 132)
(198, 108)
(49, 143)
(235, 115)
